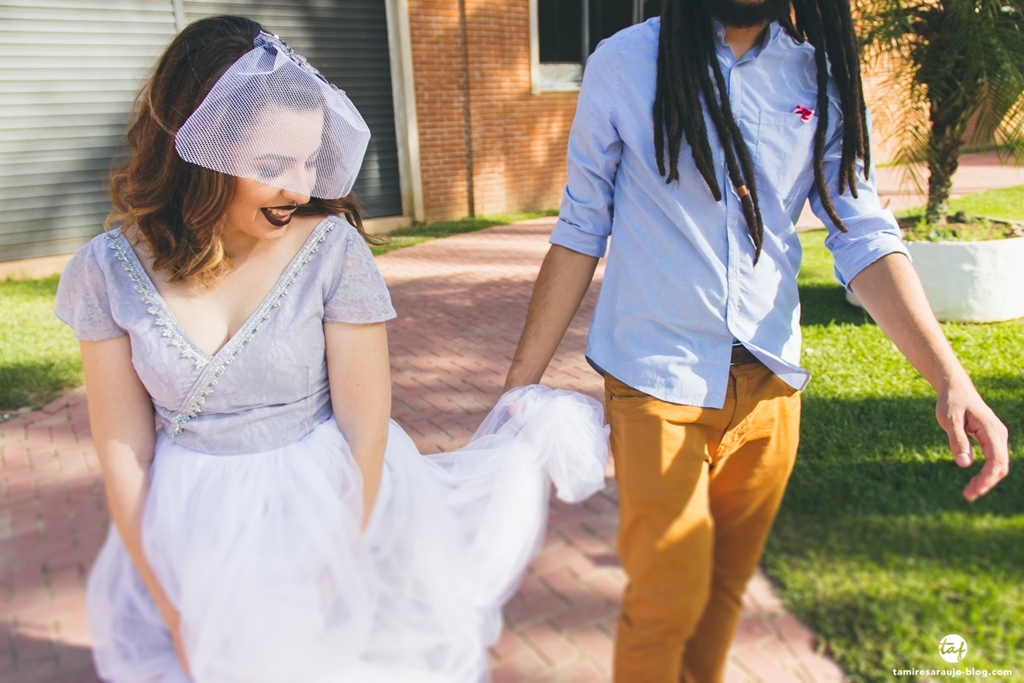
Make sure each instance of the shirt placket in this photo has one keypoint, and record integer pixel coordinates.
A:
(739, 263)
(733, 207)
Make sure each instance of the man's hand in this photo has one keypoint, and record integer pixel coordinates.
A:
(963, 414)
(891, 292)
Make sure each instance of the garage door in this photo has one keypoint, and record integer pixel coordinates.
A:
(69, 70)
(68, 74)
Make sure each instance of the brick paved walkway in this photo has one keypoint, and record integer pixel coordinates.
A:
(461, 304)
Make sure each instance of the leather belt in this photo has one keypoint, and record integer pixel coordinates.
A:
(741, 355)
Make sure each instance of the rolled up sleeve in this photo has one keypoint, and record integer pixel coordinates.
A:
(872, 232)
(585, 216)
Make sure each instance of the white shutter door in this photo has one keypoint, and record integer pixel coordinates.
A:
(69, 71)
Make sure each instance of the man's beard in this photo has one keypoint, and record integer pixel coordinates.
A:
(739, 14)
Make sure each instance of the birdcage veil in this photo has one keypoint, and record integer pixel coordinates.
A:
(275, 119)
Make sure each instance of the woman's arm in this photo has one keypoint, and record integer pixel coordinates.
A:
(124, 434)
(360, 379)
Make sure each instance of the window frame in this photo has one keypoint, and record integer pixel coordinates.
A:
(559, 77)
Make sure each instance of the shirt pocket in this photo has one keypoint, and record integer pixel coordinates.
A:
(785, 153)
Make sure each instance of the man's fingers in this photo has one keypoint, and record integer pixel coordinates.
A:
(959, 443)
(992, 438)
(982, 482)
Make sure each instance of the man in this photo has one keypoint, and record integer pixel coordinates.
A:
(698, 136)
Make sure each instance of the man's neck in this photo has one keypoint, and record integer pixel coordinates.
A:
(742, 40)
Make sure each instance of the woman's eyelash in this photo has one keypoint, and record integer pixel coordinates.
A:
(269, 171)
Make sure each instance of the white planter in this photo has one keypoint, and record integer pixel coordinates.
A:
(975, 282)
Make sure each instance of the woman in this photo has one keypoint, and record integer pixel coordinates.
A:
(276, 526)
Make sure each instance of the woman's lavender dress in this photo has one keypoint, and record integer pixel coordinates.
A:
(252, 517)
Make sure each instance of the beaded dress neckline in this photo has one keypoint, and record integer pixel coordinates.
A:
(212, 366)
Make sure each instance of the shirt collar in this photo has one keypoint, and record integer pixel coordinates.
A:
(770, 37)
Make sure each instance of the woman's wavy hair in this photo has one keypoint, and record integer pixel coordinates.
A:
(178, 207)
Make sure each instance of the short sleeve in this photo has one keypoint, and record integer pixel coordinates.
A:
(82, 299)
(358, 293)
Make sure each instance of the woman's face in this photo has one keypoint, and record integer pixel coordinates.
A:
(262, 209)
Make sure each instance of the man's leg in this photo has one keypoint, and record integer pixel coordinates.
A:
(747, 480)
(666, 533)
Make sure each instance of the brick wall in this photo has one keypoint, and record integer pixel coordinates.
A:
(517, 140)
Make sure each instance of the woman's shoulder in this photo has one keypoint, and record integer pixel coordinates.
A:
(337, 238)
(84, 289)
(354, 290)
(343, 226)
(93, 259)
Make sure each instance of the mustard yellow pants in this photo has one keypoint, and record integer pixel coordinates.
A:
(698, 492)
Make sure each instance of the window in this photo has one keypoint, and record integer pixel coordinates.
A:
(567, 31)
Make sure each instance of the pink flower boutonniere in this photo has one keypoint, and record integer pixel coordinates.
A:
(804, 112)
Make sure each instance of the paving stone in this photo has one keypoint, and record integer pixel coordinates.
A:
(550, 643)
(523, 667)
(752, 629)
(770, 664)
(595, 643)
(796, 635)
(734, 674)
(579, 671)
(509, 646)
(566, 585)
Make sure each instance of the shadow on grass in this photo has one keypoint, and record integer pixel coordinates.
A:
(913, 621)
(888, 456)
(36, 383)
(999, 384)
(876, 548)
(824, 304)
(963, 540)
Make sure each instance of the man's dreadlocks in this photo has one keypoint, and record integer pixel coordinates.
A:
(688, 65)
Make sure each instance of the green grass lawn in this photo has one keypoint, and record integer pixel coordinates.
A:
(875, 547)
(1007, 204)
(416, 234)
(38, 353)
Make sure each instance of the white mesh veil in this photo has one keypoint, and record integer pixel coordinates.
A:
(273, 118)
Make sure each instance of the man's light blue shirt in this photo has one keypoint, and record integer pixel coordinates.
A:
(680, 283)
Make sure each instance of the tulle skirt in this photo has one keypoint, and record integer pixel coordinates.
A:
(263, 556)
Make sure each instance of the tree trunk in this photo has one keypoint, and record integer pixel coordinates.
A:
(943, 158)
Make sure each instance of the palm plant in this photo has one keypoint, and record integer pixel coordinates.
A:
(954, 73)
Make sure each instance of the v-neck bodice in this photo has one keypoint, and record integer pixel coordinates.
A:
(170, 321)
(267, 386)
